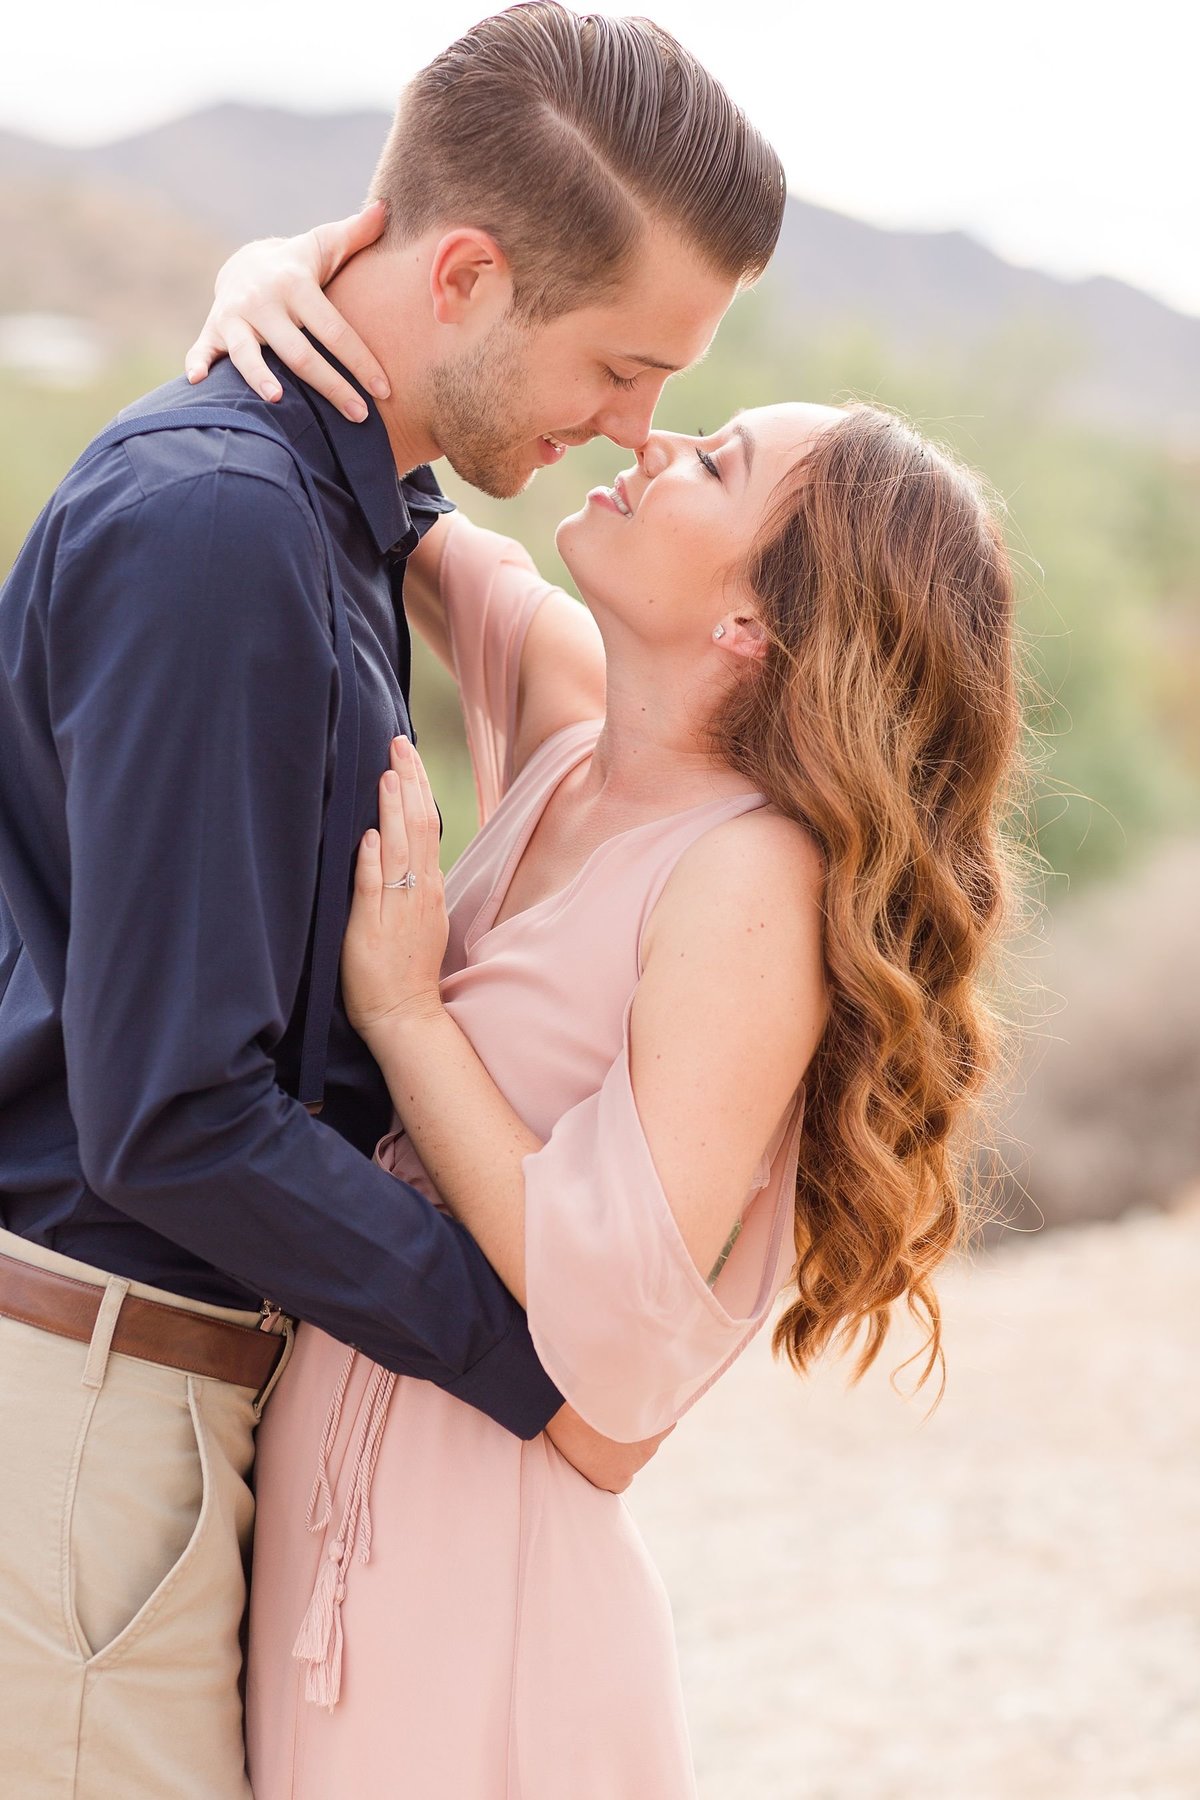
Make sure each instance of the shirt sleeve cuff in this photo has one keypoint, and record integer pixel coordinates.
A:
(510, 1385)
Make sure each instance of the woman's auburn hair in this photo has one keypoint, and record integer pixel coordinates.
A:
(885, 717)
(562, 135)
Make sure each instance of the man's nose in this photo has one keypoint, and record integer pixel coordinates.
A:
(628, 423)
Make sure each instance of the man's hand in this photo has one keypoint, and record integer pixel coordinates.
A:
(600, 1460)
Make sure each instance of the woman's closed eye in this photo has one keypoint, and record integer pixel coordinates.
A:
(621, 381)
(708, 463)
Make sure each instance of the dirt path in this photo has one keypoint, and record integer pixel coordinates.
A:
(1002, 1603)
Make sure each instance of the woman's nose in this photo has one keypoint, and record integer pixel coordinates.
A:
(655, 454)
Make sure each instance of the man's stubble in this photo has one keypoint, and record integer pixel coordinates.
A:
(476, 403)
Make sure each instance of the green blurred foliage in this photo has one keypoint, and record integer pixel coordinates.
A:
(1105, 531)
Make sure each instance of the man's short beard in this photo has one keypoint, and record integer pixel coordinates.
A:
(473, 402)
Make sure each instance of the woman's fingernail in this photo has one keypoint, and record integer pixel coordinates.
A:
(271, 390)
(356, 411)
(380, 389)
(391, 781)
(403, 747)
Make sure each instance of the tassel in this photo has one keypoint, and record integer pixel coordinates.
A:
(319, 1640)
(321, 1495)
(379, 1399)
(323, 1683)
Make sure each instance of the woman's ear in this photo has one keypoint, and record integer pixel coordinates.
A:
(741, 634)
(469, 271)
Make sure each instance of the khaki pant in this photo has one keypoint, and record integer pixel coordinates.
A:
(125, 1526)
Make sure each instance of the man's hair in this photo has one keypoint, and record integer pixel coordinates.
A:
(562, 135)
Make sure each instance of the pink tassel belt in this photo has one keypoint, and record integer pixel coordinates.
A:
(319, 1641)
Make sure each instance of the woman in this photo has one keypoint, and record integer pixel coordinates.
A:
(699, 1020)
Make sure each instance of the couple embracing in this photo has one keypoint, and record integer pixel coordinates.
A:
(467, 1195)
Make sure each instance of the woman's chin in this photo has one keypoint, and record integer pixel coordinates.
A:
(566, 533)
(575, 541)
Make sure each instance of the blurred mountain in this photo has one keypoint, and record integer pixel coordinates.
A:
(126, 231)
(241, 171)
(1115, 356)
(121, 260)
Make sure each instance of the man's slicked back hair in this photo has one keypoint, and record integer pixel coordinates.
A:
(562, 135)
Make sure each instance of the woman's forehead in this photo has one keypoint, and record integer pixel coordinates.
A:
(791, 418)
(785, 431)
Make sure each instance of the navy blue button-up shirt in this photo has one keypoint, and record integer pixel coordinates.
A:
(166, 691)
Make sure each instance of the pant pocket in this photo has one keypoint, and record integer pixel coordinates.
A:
(138, 1503)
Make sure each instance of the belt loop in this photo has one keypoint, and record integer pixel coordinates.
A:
(115, 1291)
(288, 1332)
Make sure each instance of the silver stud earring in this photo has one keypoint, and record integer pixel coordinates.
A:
(719, 632)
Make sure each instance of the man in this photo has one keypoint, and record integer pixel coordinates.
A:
(572, 205)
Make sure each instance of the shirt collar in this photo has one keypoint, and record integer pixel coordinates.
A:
(398, 509)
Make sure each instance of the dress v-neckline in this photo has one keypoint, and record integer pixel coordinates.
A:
(485, 921)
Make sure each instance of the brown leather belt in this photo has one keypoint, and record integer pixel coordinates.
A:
(193, 1342)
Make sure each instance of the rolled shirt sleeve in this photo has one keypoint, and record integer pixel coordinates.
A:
(192, 679)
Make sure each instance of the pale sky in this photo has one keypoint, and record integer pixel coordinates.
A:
(1062, 134)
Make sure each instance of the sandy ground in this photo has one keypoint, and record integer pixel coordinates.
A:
(999, 1603)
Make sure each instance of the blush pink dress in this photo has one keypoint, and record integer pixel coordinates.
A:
(475, 1620)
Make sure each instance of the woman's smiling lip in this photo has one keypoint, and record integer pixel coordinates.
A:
(616, 498)
(602, 496)
(623, 500)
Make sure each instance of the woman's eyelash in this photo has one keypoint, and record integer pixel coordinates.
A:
(621, 381)
(708, 462)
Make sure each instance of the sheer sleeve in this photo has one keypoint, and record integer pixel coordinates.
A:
(491, 590)
(625, 1325)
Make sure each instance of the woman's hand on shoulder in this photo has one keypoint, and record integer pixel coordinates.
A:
(730, 1007)
(269, 292)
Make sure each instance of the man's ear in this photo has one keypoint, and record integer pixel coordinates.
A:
(741, 634)
(468, 271)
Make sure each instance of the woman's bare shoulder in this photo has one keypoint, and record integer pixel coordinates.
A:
(733, 969)
(761, 852)
(756, 880)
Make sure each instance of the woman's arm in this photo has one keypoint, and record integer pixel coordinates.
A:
(562, 674)
(269, 292)
(728, 1011)
(464, 590)
(424, 600)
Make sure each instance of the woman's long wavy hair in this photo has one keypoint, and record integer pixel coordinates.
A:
(886, 718)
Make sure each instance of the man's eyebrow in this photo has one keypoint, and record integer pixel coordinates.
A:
(655, 362)
(648, 362)
(747, 443)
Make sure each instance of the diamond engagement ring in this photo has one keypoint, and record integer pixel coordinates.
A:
(405, 881)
